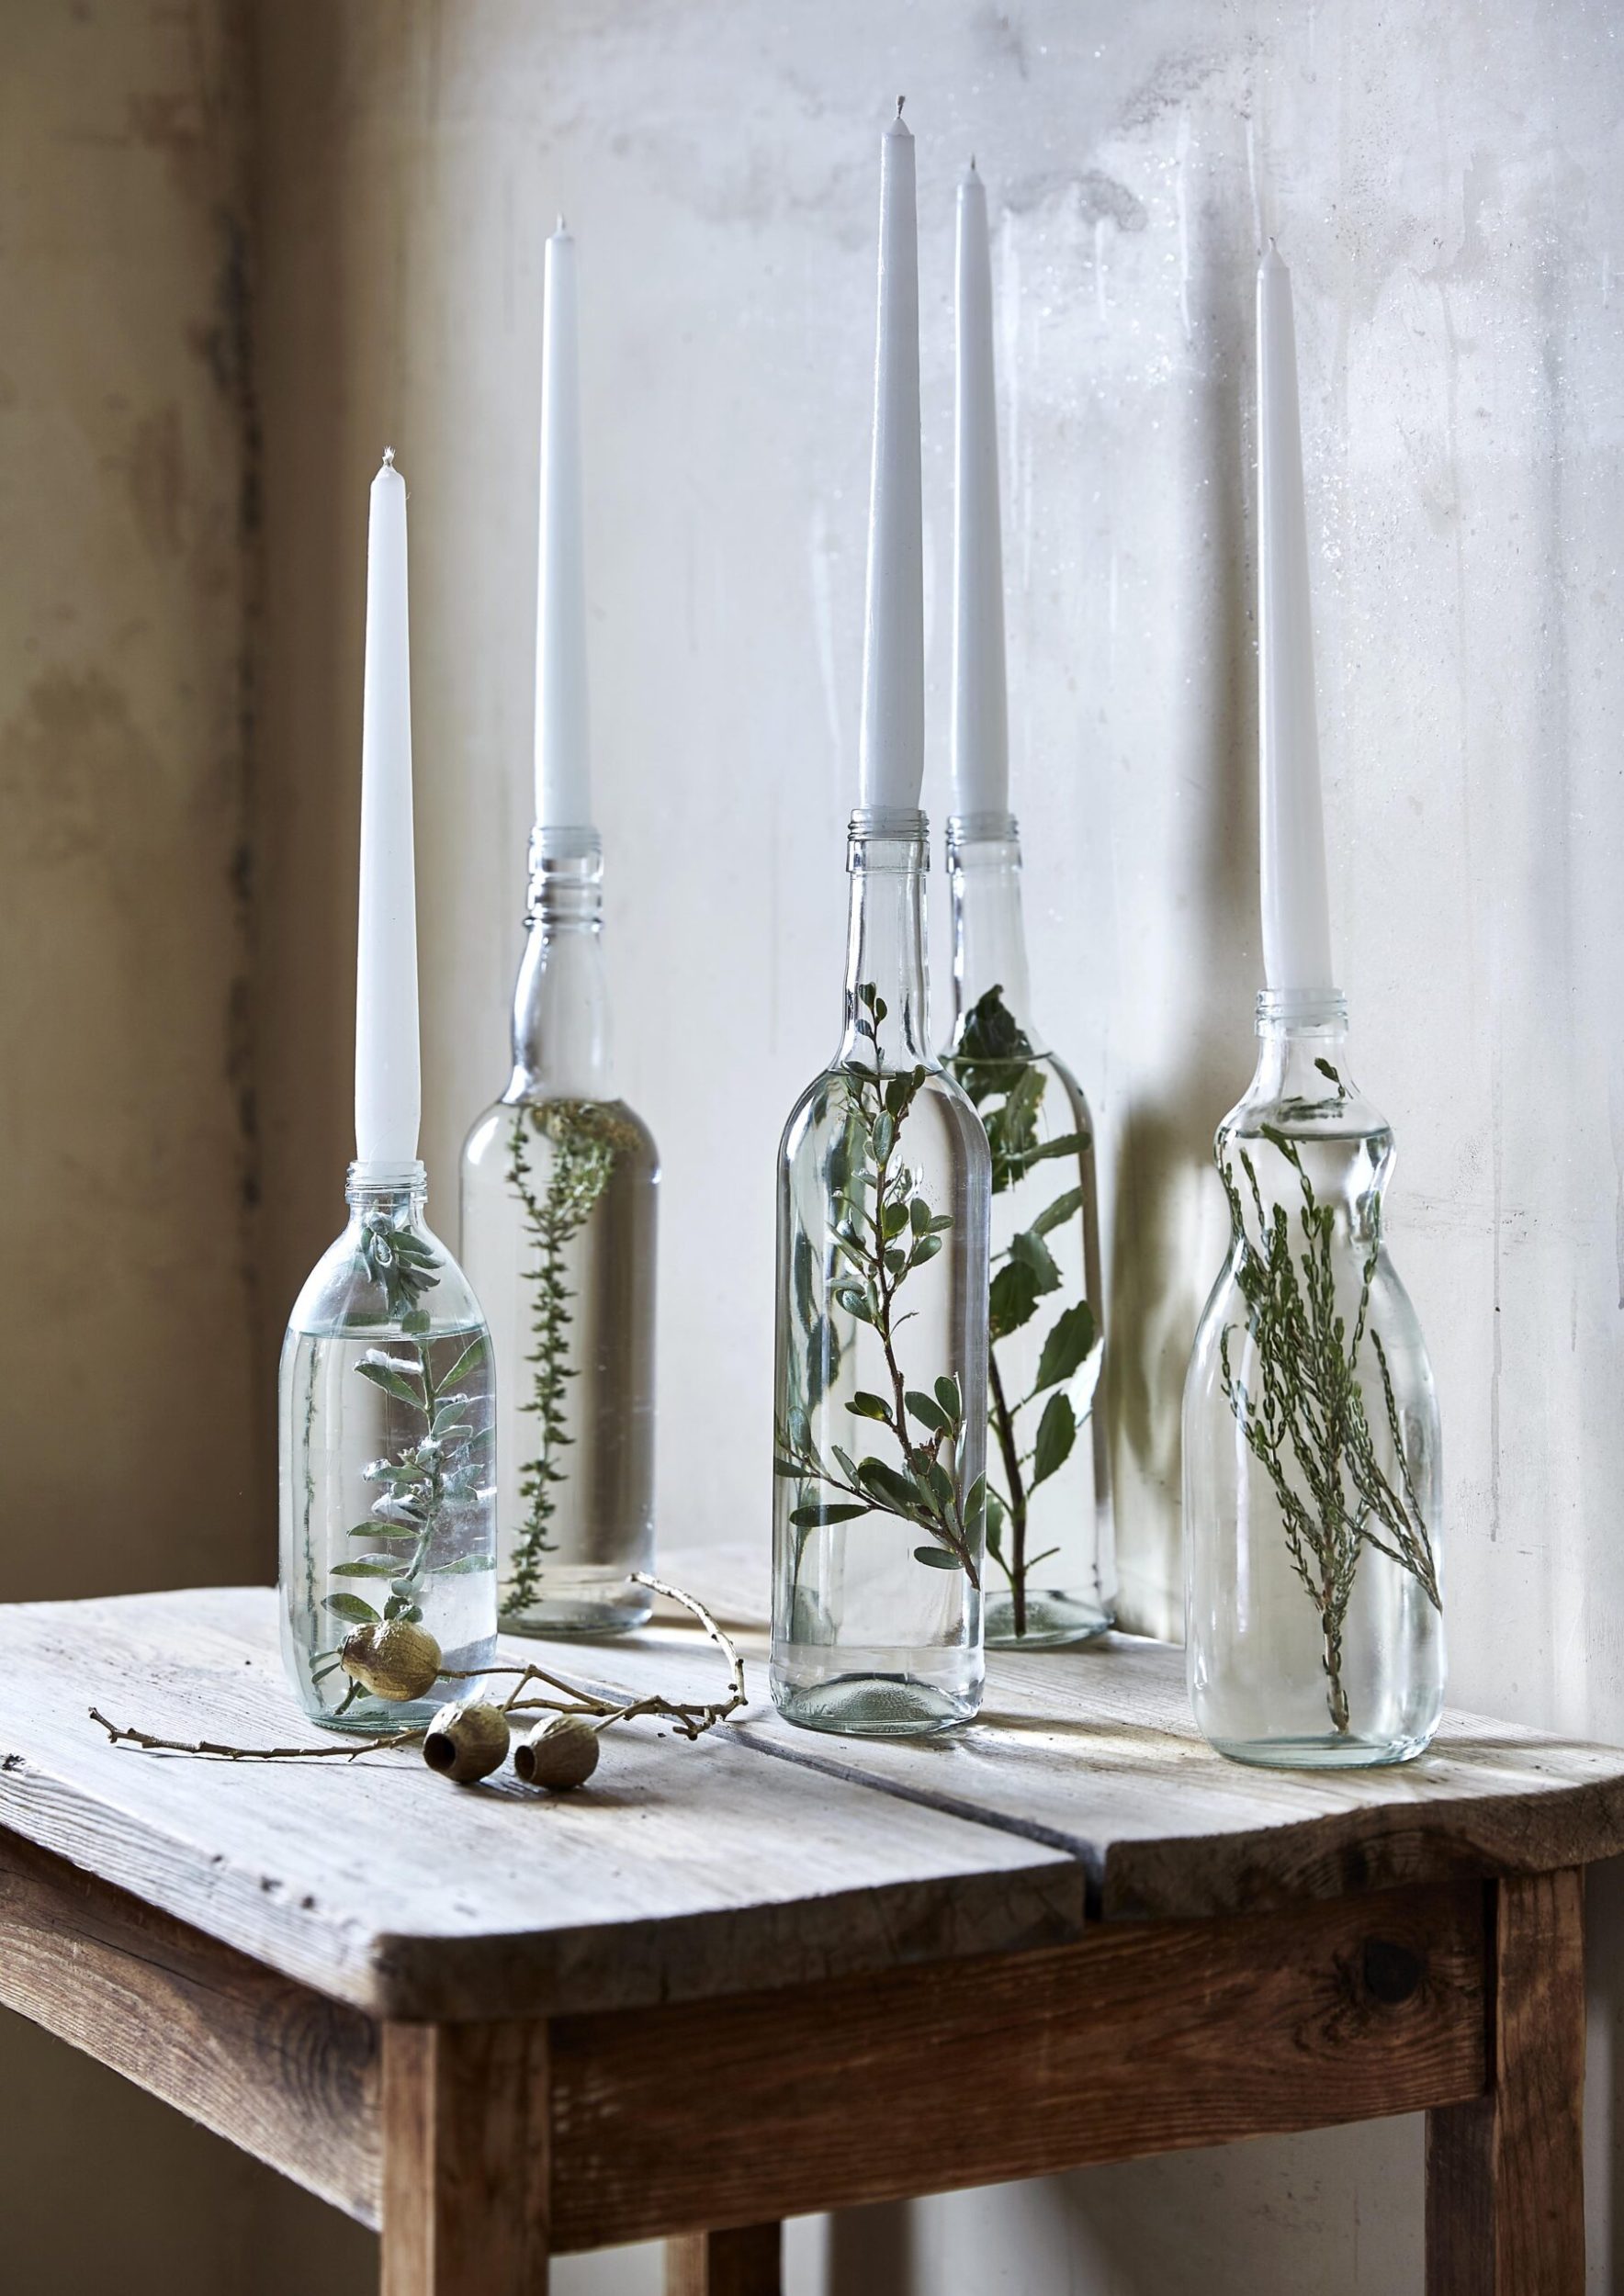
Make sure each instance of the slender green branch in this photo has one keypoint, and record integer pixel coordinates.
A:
(883, 1232)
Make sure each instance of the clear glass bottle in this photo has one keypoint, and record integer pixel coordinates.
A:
(560, 1191)
(880, 1390)
(1312, 1486)
(1051, 1557)
(388, 1495)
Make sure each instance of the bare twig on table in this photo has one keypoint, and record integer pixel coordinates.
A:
(688, 1719)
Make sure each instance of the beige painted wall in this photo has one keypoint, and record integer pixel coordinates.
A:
(130, 1387)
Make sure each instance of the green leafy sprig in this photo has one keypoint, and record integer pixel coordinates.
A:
(1304, 1418)
(883, 1231)
(993, 1061)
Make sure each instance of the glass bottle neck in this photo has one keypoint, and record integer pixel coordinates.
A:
(396, 1193)
(989, 931)
(887, 989)
(561, 1001)
(1302, 1078)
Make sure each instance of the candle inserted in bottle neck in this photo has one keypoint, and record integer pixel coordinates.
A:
(891, 753)
(1296, 910)
(563, 789)
(980, 707)
(388, 1085)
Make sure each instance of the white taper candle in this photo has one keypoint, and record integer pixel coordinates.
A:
(980, 707)
(1296, 911)
(563, 791)
(388, 1092)
(891, 753)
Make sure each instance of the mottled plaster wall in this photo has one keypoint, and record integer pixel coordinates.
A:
(1446, 181)
(129, 1382)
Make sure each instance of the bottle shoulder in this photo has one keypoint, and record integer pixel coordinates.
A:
(412, 1286)
(937, 1106)
(556, 1121)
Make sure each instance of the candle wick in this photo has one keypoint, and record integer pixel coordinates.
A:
(388, 457)
(900, 101)
(561, 225)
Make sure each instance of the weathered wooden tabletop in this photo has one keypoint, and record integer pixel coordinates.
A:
(761, 1857)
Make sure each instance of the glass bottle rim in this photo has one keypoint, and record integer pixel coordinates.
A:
(1300, 1012)
(903, 827)
(371, 1177)
(981, 829)
(549, 841)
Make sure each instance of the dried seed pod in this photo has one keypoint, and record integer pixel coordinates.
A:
(560, 1753)
(392, 1658)
(467, 1742)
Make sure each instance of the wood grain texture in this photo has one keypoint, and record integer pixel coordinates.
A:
(464, 2160)
(747, 2261)
(763, 1856)
(1095, 1752)
(1142, 2038)
(290, 2076)
(1505, 2174)
(682, 1871)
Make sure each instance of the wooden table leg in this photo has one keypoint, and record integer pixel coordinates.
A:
(742, 2263)
(464, 2160)
(1505, 2173)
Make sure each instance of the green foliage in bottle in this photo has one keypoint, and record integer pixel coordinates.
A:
(1304, 1417)
(883, 1231)
(993, 1060)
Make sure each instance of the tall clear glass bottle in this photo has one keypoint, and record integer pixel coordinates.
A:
(560, 1186)
(880, 1392)
(1051, 1557)
(1312, 1489)
(388, 1497)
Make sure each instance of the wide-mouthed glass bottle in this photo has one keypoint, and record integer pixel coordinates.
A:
(880, 1392)
(1051, 1567)
(1312, 1489)
(387, 1477)
(560, 1188)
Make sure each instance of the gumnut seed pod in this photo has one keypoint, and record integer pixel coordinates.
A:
(394, 1659)
(560, 1753)
(465, 1743)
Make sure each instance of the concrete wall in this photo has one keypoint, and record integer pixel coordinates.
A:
(1446, 183)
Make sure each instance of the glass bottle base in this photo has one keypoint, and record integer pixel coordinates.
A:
(1053, 1618)
(1333, 1751)
(581, 1602)
(876, 1700)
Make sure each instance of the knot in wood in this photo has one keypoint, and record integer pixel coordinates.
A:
(1392, 1971)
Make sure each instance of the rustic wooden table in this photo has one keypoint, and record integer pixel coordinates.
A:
(774, 1973)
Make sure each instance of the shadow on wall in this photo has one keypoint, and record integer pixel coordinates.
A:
(871, 2251)
(1166, 1234)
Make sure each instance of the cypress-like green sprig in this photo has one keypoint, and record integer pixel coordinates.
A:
(1304, 1420)
(586, 1140)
